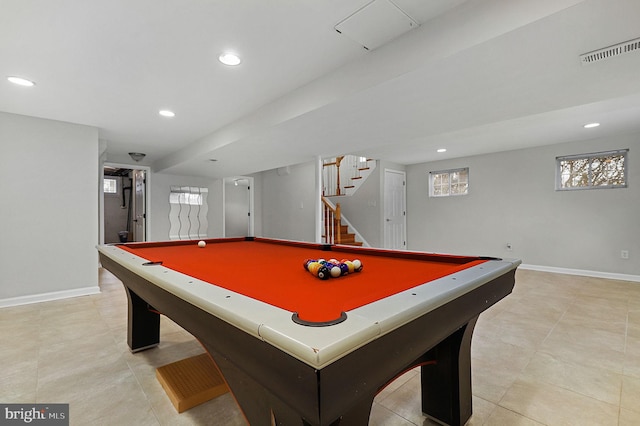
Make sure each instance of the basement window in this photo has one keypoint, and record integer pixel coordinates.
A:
(186, 198)
(446, 183)
(110, 186)
(599, 170)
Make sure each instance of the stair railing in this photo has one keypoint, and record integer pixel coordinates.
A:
(331, 177)
(331, 217)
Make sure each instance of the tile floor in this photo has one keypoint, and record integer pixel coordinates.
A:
(561, 350)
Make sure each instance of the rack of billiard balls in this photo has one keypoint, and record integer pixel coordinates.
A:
(332, 268)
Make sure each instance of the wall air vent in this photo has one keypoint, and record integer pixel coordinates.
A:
(610, 52)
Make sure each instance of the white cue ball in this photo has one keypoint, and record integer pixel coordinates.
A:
(335, 271)
(201, 244)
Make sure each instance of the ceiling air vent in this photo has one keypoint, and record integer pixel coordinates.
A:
(610, 52)
(375, 24)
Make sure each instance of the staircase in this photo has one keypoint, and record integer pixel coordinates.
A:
(334, 231)
(343, 175)
(347, 238)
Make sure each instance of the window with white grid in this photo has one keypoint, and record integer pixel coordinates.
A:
(590, 171)
(446, 183)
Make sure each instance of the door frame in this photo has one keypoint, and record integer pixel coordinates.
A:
(404, 196)
(147, 201)
(251, 226)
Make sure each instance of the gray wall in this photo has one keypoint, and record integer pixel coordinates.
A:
(512, 199)
(288, 203)
(49, 215)
(159, 188)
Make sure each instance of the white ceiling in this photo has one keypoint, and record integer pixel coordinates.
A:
(477, 76)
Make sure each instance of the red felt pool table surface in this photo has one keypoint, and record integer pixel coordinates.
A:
(272, 271)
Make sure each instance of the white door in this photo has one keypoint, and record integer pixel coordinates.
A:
(395, 219)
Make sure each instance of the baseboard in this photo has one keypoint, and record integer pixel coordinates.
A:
(47, 297)
(582, 272)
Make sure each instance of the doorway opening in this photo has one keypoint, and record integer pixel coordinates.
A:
(238, 207)
(124, 204)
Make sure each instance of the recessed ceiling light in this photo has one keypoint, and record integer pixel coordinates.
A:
(21, 81)
(229, 59)
(442, 150)
(591, 125)
(166, 113)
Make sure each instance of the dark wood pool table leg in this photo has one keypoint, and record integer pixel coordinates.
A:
(358, 415)
(446, 384)
(259, 406)
(143, 329)
(253, 400)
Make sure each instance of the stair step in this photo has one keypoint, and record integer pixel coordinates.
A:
(354, 243)
(357, 177)
(364, 168)
(349, 186)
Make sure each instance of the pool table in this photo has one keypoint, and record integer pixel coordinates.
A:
(298, 350)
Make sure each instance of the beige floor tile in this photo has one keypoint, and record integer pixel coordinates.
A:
(503, 417)
(552, 353)
(14, 318)
(629, 418)
(380, 415)
(571, 319)
(77, 357)
(600, 308)
(588, 337)
(591, 348)
(20, 387)
(633, 325)
(514, 329)
(544, 283)
(630, 398)
(406, 401)
(482, 410)
(393, 386)
(541, 308)
(222, 410)
(103, 403)
(19, 355)
(632, 365)
(75, 385)
(599, 384)
(495, 366)
(632, 344)
(552, 405)
(603, 289)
